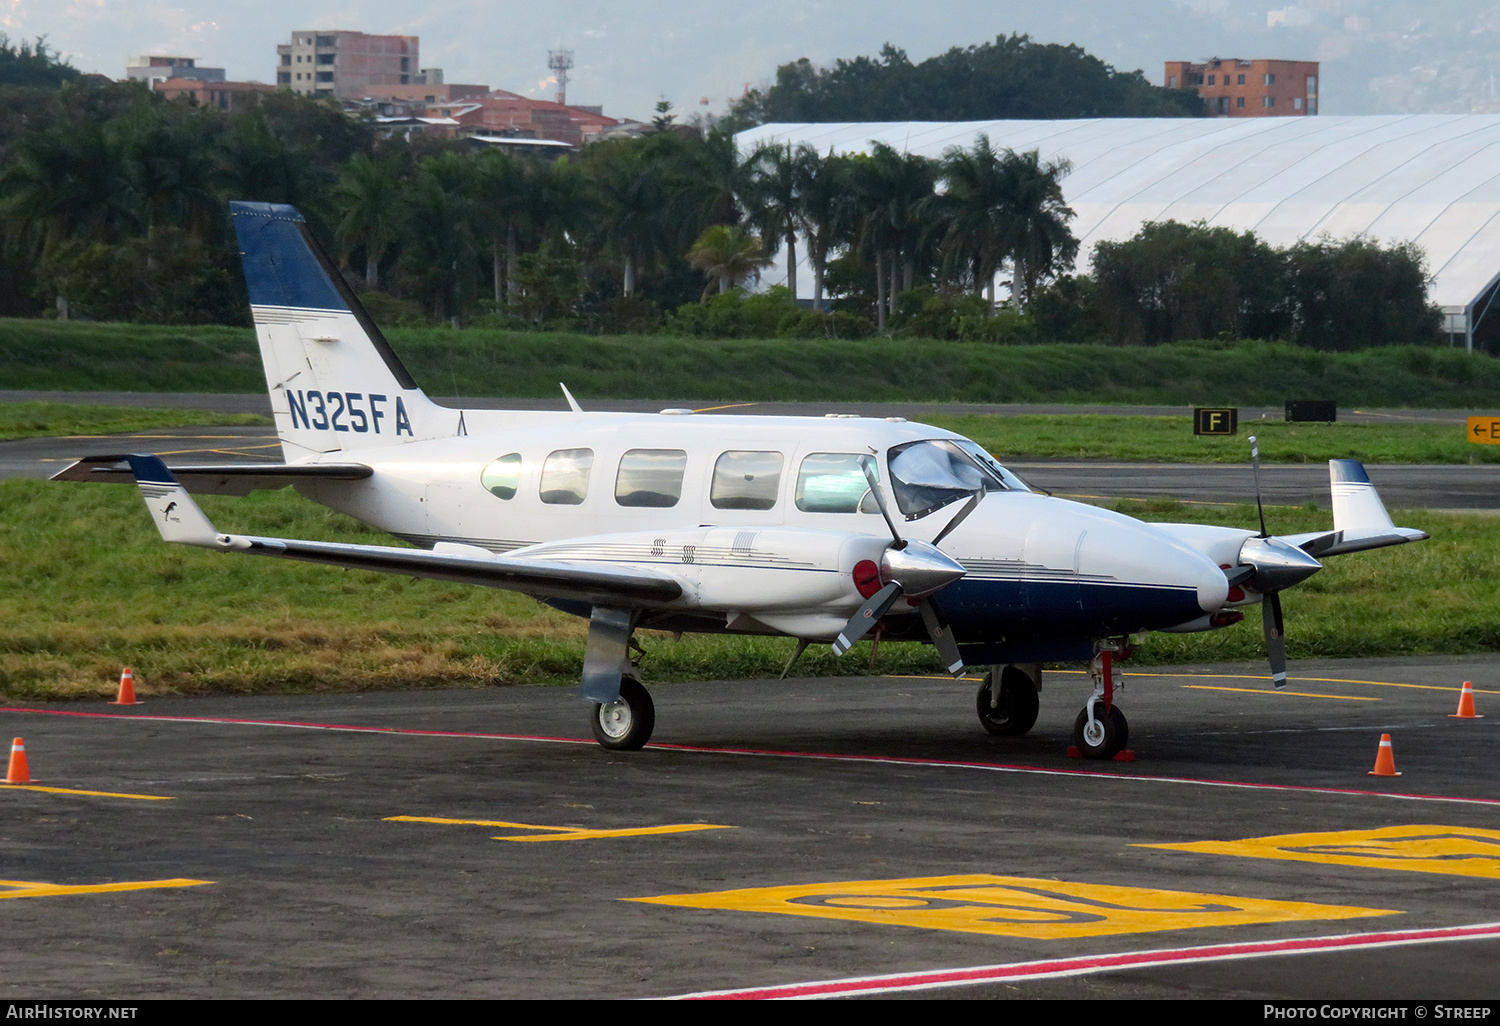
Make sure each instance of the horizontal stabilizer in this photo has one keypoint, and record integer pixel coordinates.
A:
(1360, 520)
(176, 515)
(217, 478)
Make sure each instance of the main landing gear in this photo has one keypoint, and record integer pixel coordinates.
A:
(1100, 732)
(625, 724)
(1010, 709)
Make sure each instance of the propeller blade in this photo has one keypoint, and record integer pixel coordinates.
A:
(942, 639)
(868, 466)
(968, 508)
(1255, 470)
(862, 622)
(1270, 611)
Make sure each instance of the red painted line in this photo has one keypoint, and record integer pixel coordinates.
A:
(1085, 964)
(890, 760)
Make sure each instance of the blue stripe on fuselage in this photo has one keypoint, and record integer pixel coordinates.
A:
(983, 609)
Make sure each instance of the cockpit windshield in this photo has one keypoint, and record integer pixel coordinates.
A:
(928, 475)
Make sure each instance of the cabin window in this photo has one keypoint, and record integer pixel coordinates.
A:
(650, 477)
(565, 476)
(746, 480)
(502, 477)
(833, 482)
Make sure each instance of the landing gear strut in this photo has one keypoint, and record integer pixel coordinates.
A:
(1100, 732)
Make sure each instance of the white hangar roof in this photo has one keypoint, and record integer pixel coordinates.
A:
(1430, 179)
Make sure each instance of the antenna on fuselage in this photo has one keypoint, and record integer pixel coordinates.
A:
(572, 403)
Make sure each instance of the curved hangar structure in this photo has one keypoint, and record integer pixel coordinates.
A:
(1430, 179)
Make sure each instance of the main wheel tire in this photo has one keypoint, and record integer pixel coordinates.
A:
(1015, 713)
(624, 725)
(1109, 736)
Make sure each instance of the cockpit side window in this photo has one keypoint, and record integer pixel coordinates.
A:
(928, 475)
(833, 482)
(650, 477)
(503, 476)
(565, 477)
(746, 479)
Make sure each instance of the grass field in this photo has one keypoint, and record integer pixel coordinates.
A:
(1092, 436)
(84, 356)
(44, 420)
(1171, 440)
(88, 588)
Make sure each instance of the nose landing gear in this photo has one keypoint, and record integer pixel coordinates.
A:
(1100, 732)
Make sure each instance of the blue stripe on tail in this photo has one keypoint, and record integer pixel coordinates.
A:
(280, 267)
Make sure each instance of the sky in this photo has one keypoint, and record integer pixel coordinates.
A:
(1379, 56)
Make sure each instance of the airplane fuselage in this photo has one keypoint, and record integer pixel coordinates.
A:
(1038, 567)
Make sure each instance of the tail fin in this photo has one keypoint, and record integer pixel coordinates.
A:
(335, 382)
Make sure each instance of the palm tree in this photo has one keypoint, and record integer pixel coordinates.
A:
(893, 188)
(70, 183)
(632, 201)
(367, 209)
(828, 215)
(1038, 240)
(974, 213)
(728, 255)
(780, 175)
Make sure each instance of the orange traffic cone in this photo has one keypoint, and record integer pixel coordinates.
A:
(127, 689)
(1465, 705)
(18, 773)
(1385, 760)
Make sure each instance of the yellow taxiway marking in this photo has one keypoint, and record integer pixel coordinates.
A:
(1013, 906)
(730, 406)
(33, 889)
(96, 794)
(1235, 676)
(561, 833)
(1290, 694)
(1460, 851)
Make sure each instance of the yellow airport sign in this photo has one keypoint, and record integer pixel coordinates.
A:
(1013, 906)
(1460, 851)
(1484, 430)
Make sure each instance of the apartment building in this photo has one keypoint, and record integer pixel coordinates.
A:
(1233, 88)
(345, 65)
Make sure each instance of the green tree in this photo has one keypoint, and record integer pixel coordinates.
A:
(728, 255)
(1355, 294)
(33, 64)
(1173, 281)
(778, 180)
(1012, 77)
(367, 207)
(1037, 239)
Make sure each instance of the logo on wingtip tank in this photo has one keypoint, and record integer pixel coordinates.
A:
(345, 411)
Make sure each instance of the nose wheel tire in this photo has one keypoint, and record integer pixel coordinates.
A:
(624, 725)
(1106, 736)
(1016, 710)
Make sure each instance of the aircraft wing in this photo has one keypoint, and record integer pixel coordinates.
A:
(217, 478)
(180, 520)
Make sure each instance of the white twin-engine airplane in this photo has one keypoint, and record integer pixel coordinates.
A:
(817, 529)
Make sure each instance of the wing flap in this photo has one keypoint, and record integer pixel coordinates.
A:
(599, 585)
